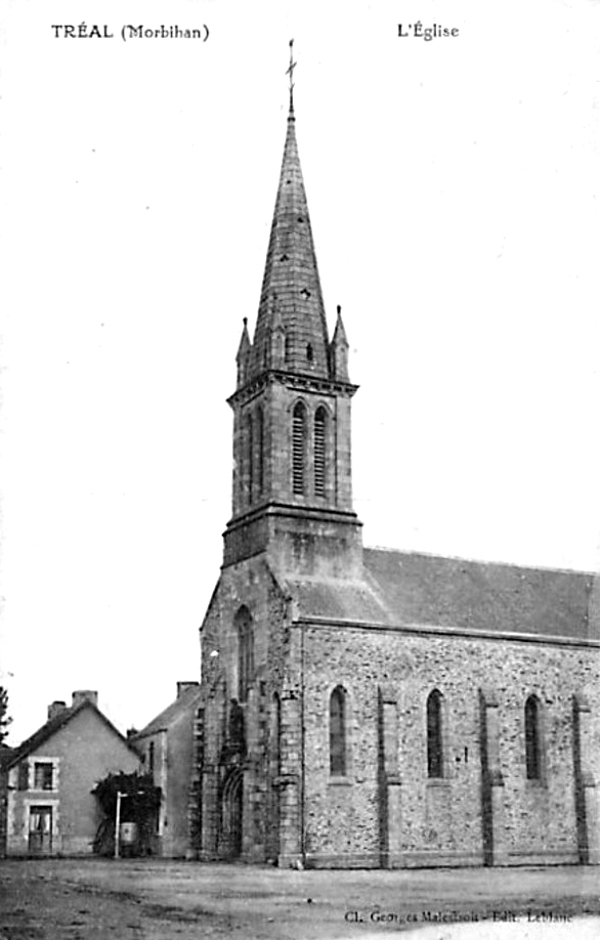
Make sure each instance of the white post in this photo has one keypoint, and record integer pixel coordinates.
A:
(118, 824)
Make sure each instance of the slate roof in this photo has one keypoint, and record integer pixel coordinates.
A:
(413, 589)
(337, 600)
(172, 713)
(50, 728)
(291, 297)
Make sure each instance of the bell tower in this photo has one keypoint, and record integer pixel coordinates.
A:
(292, 479)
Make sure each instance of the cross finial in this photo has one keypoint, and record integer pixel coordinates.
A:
(290, 72)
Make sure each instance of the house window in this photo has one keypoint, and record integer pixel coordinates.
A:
(319, 452)
(43, 776)
(298, 449)
(435, 754)
(245, 636)
(337, 732)
(532, 739)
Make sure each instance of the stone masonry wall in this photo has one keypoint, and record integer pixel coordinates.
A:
(251, 584)
(439, 821)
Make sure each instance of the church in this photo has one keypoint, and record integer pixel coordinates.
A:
(365, 707)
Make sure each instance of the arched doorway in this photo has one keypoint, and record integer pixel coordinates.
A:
(232, 797)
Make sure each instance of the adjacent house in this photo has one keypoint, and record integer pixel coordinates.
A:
(168, 747)
(50, 808)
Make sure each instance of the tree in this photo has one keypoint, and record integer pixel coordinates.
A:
(5, 718)
(139, 803)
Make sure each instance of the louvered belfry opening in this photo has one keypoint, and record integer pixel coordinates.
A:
(260, 469)
(298, 449)
(319, 451)
(250, 456)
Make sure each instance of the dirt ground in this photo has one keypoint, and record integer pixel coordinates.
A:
(159, 900)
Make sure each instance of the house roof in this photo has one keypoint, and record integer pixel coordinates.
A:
(55, 724)
(172, 713)
(414, 589)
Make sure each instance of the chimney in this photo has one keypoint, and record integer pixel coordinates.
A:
(183, 687)
(84, 695)
(55, 709)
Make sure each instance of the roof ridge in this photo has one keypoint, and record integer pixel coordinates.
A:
(53, 725)
(478, 561)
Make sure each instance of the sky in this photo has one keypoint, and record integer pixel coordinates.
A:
(454, 199)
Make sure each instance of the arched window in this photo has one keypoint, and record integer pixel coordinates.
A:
(298, 449)
(245, 636)
(435, 753)
(337, 732)
(250, 456)
(260, 433)
(532, 739)
(319, 450)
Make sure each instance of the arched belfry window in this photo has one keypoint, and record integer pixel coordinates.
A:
(320, 456)
(245, 638)
(298, 449)
(249, 457)
(435, 744)
(337, 732)
(260, 458)
(533, 764)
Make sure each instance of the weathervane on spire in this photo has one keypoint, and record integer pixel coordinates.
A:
(290, 72)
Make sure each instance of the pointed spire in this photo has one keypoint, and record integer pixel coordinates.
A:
(338, 350)
(291, 273)
(339, 334)
(244, 350)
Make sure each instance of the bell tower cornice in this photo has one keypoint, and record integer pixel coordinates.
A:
(302, 383)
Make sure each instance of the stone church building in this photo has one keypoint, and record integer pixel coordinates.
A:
(366, 707)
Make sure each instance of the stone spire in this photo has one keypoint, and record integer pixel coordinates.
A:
(339, 350)
(292, 473)
(243, 354)
(291, 289)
